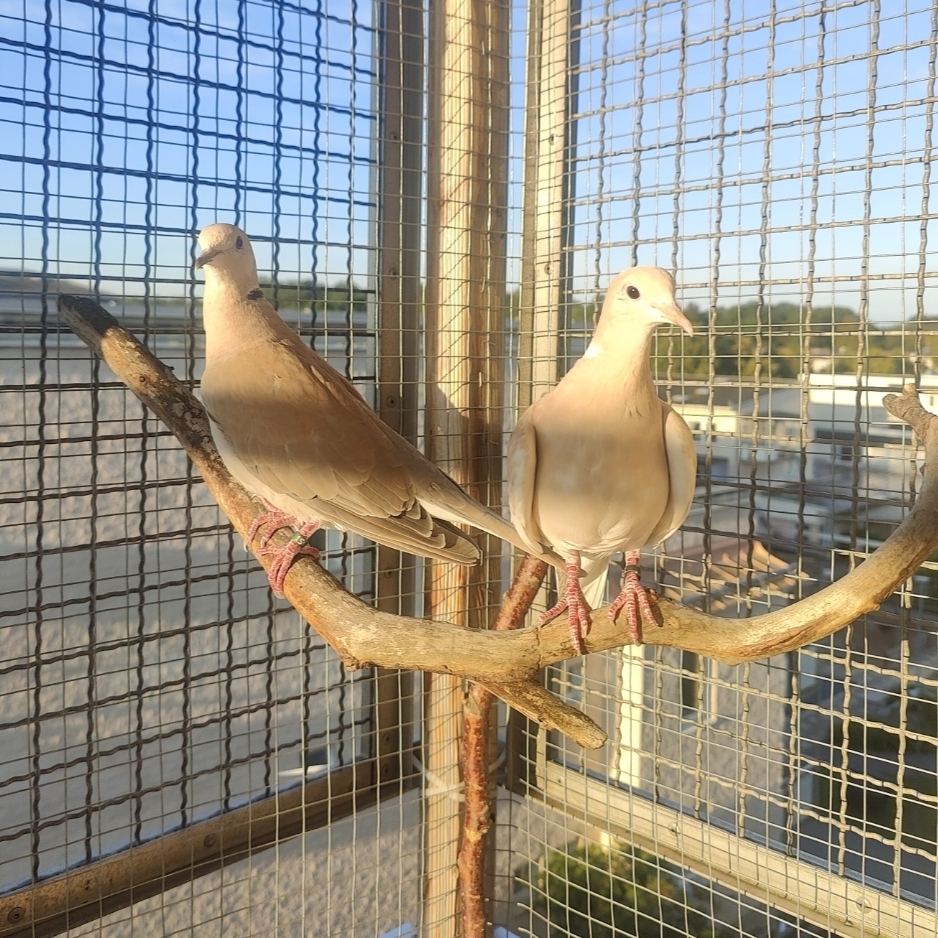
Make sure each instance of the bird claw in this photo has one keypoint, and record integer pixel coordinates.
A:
(277, 519)
(298, 545)
(284, 556)
(575, 604)
(634, 598)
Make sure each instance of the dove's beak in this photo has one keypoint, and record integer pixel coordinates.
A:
(204, 258)
(674, 315)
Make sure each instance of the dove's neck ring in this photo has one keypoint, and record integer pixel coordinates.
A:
(229, 318)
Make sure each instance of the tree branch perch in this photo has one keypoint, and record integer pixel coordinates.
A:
(507, 662)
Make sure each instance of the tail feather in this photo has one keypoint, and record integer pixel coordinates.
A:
(595, 577)
(466, 510)
(443, 498)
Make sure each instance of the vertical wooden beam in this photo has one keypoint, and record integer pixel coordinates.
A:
(476, 853)
(466, 309)
(401, 103)
(544, 277)
(544, 274)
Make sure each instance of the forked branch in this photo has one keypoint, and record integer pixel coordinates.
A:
(508, 662)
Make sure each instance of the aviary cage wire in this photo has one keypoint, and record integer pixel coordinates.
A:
(150, 680)
(776, 156)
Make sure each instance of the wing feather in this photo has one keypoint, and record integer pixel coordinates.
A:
(522, 471)
(682, 472)
(305, 432)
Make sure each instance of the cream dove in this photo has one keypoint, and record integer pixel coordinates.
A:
(600, 464)
(295, 432)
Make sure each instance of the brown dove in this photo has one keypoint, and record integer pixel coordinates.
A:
(600, 464)
(295, 432)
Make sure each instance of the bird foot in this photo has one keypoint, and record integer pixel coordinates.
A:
(284, 556)
(276, 520)
(634, 598)
(575, 604)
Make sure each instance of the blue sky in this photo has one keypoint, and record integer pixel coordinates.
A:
(762, 175)
(264, 118)
(264, 115)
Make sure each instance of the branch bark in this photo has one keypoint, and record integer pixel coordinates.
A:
(508, 662)
(476, 752)
(351, 627)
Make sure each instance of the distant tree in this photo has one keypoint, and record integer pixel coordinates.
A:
(781, 337)
(339, 298)
(319, 297)
(577, 314)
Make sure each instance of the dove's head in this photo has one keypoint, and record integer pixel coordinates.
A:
(226, 252)
(643, 296)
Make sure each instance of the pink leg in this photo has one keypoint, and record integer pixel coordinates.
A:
(575, 603)
(634, 596)
(274, 517)
(283, 556)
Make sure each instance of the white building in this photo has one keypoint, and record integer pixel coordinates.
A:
(830, 465)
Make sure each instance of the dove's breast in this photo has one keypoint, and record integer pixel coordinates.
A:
(602, 476)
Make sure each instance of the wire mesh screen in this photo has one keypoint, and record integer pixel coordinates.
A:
(148, 678)
(776, 157)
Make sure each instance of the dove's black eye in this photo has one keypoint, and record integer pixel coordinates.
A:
(633, 293)
(239, 243)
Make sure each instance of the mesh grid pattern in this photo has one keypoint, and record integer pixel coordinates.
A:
(776, 156)
(149, 679)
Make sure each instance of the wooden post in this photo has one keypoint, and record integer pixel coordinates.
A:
(466, 309)
(399, 217)
(475, 852)
(546, 191)
(544, 277)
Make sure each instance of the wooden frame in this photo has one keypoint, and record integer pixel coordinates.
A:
(90, 892)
